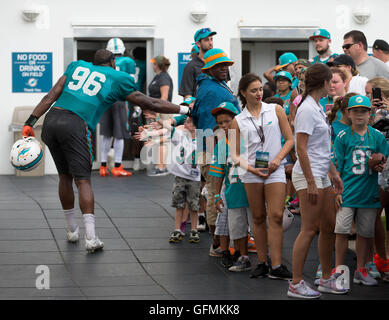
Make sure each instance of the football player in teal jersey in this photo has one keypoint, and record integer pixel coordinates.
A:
(360, 200)
(322, 40)
(115, 121)
(79, 98)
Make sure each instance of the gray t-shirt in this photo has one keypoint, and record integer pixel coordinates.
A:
(162, 79)
(373, 68)
(188, 83)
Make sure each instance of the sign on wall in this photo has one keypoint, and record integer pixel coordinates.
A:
(32, 72)
(183, 59)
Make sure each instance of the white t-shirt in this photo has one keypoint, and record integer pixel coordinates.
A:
(182, 157)
(311, 119)
(358, 85)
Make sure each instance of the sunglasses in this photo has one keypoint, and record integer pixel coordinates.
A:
(261, 134)
(204, 30)
(347, 46)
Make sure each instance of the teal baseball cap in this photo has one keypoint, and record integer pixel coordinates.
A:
(215, 56)
(203, 33)
(283, 74)
(358, 102)
(286, 58)
(323, 33)
(225, 106)
(188, 101)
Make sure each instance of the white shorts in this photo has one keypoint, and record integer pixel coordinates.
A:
(364, 221)
(300, 183)
(239, 220)
(276, 176)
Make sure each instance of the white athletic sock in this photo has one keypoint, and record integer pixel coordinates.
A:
(275, 267)
(89, 222)
(118, 146)
(201, 214)
(105, 147)
(71, 223)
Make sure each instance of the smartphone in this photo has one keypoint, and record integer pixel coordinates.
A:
(377, 93)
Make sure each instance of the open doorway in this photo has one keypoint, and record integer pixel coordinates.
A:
(259, 56)
(86, 49)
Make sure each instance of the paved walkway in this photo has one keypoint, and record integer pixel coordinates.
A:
(134, 219)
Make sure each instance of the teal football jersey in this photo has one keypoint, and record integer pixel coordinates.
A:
(140, 74)
(90, 90)
(352, 152)
(222, 168)
(125, 64)
(316, 59)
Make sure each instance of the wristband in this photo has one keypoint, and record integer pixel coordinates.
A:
(184, 110)
(31, 121)
(217, 198)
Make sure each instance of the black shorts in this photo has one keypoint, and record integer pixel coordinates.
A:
(70, 143)
(114, 122)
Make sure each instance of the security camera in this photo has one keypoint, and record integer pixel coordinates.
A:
(361, 16)
(31, 14)
(198, 12)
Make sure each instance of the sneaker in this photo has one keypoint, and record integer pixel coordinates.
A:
(161, 172)
(385, 278)
(251, 247)
(93, 245)
(201, 223)
(218, 252)
(319, 274)
(73, 236)
(331, 286)
(136, 165)
(104, 172)
(362, 276)
(227, 261)
(194, 236)
(120, 172)
(381, 264)
(175, 236)
(260, 271)
(243, 264)
(281, 272)
(373, 271)
(303, 291)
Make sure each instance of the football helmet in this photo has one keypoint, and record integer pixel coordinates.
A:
(26, 154)
(116, 46)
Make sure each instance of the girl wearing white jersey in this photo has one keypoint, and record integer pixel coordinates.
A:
(310, 179)
(260, 125)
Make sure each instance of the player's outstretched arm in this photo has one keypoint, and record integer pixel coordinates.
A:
(43, 106)
(156, 105)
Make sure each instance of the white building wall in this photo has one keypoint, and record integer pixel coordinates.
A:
(172, 23)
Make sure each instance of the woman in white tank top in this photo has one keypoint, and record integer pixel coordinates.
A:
(260, 125)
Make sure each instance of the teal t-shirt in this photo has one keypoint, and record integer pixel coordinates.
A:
(352, 152)
(140, 74)
(329, 100)
(222, 168)
(90, 90)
